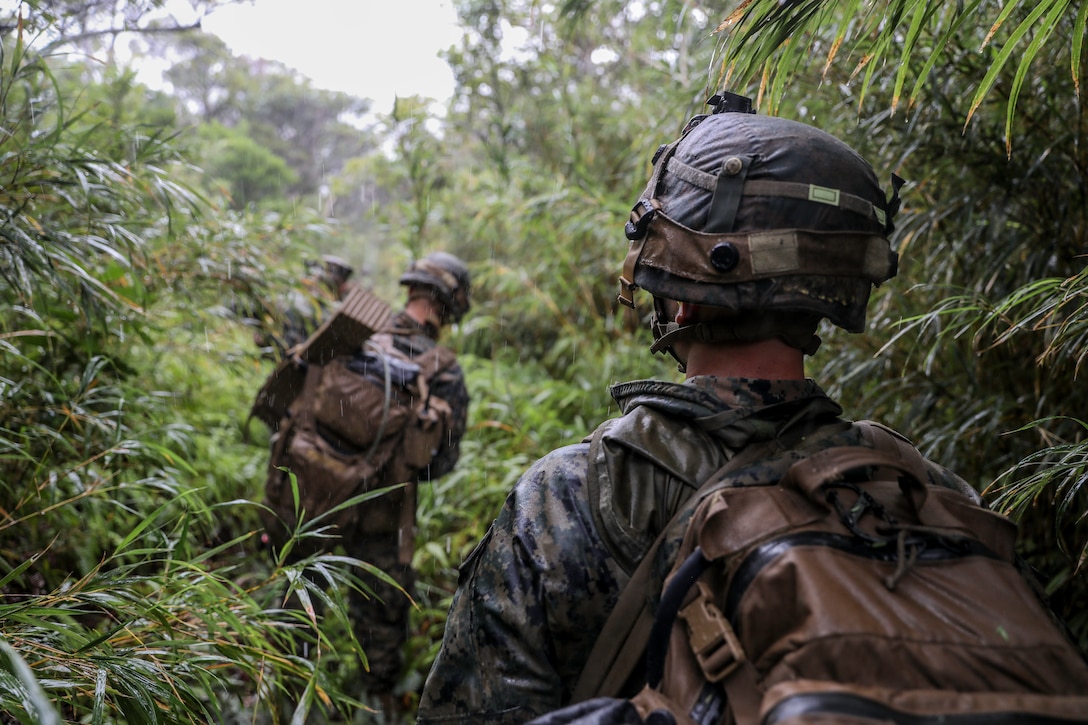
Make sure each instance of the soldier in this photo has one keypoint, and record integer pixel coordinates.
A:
(408, 394)
(752, 230)
(438, 288)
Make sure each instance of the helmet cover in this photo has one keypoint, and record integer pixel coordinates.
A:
(337, 268)
(757, 214)
(448, 279)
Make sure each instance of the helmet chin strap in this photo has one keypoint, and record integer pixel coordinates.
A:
(797, 330)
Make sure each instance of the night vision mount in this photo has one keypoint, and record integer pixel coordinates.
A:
(726, 102)
(723, 102)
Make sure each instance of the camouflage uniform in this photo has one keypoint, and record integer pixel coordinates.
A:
(537, 590)
(384, 536)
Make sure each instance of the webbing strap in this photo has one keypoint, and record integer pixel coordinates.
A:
(889, 441)
(622, 642)
(818, 194)
(743, 693)
(785, 189)
(728, 193)
(619, 646)
(641, 215)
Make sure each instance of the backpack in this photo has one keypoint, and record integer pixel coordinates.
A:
(361, 421)
(359, 316)
(848, 592)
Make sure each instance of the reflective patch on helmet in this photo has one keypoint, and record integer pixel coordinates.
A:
(823, 194)
(774, 252)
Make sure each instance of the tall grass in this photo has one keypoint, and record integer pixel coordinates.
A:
(133, 586)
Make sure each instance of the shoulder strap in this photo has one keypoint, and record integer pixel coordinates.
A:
(622, 641)
(620, 646)
(895, 445)
(435, 361)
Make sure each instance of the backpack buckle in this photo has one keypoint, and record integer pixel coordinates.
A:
(642, 213)
(712, 638)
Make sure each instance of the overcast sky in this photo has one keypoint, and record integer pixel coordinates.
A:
(373, 49)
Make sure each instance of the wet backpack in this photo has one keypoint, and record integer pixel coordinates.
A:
(361, 421)
(848, 592)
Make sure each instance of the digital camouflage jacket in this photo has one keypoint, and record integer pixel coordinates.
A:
(538, 588)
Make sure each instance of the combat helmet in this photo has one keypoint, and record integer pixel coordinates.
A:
(448, 279)
(337, 268)
(775, 222)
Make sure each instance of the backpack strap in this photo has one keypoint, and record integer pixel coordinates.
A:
(620, 648)
(622, 642)
(895, 445)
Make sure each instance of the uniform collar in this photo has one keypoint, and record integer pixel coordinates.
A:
(406, 324)
(714, 394)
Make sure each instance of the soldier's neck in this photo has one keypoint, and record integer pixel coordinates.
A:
(424, 311)
(764, 359)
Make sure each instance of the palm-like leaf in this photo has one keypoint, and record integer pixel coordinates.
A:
(771, 42)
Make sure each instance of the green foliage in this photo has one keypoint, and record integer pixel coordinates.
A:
(130, 590)
(898, 43)
(70, 282)
(133, 586)
(249, 171)
(281, 124)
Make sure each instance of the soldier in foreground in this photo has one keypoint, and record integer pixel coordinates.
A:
(751, 231)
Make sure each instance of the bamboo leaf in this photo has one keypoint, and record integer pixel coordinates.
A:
(34, 697)
(939, 47)
(98, 713)
(922, 12)
(1010, 47)
(1022, 69)
(1076, 56)
(146, 522)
